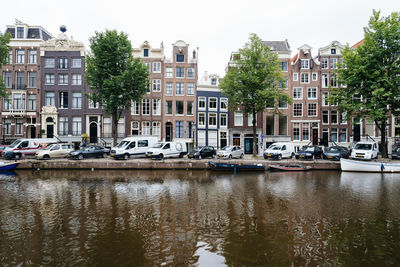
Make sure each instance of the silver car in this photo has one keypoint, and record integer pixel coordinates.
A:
(229, 152)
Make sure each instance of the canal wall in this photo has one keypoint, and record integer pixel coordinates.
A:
(166, 164)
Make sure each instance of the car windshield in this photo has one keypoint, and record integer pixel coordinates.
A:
(307, 148)
(396, 149)
(333, 149)
(363, 146)
(122, 144)
(274, 147)
(227, 148)
(49, 147)
(15, 143)
(158, 145)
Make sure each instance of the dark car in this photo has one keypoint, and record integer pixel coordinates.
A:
(202, 153)
(89, 152)
(336, 153)
(396, 153)
(309, 152)
(2, 147)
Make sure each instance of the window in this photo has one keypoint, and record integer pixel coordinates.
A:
(20, 80)
(135, 128)
(179, 108)
(10, 57)
(314, 76)
(296, 131)
(223, 104)
(156, 106)
(213, 81)
(145, 52)
(92, 104)
(212, 120)
(157, 67)
(189, 129)
(334, 135)
(180, 58)
(8, 79)
(179, 129)
(297, 93)
(283, 66)
(20, 32)
(19, 126)
(190, 72)
(305, 63)
(63, 126)
(31, 102)
(238, 120)
(306, 131)
(76, 63)
(333, 80)
(250, 120)
(6, 103)
(32, 56)
(189, 108)
(20, 56)
(180, 72)
(168, 72)
(156, 128)
(49, 63)
(63, 63)
(304, 78)
(343, 117)
(212, 103)
(168, 107)
(324, 77)
(202, 119)
(168, 89)
(50, 98)
(343, 135)
(283, 84)
(334, 117)
(147, 64)
(312, 93)
(63, 99)
(63, 79)
(202, 102)
(282, 104)
(107, 127)
(190, 88)
(312, 109)
(283, 125)
(325, 96)
(156, 85)
(76, 79)
(135, 108)
(76, 100)
(77, 126)
(333, 51)
(32, 79)
(325, 116)
(18, 101)
(121, 127)
(324, 63)
(145, 106)
(297, 109)
(333, 63)
(180, 89)
(145, 128)
(295, 77)
(223, 120)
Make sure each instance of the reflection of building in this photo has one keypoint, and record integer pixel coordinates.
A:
(212, 113)
(21, 74)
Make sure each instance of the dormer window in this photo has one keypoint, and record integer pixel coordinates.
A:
(180, 58)
(213, 81)
(305, 64)
(145, 52)
(333, 51)
(20, 32)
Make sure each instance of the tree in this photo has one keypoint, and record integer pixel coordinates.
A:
(370, 75)
(114, 77)
(253, 81)
(4, 50)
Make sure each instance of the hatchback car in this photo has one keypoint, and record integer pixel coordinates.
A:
(229, 152)
(309, 152)
(336, 153)
(202, 153)
(55, 151)
(89, 152)
(396, 153)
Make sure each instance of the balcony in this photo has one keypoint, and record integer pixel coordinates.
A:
(16, 112)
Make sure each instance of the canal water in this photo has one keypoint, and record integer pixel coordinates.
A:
(199, 218)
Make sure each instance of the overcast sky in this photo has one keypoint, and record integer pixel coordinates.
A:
(216, 27)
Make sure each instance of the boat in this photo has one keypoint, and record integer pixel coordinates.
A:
(8, 166)
(368, 166)
(220, 166)
(288, 167)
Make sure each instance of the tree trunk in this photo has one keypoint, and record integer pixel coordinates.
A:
(255, 150)
(383, 140)
(114, 128)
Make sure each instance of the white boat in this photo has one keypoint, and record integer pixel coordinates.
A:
(368, 166)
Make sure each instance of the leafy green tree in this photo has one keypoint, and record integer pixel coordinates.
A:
(114, 77)
(371, 75)
(253, 81)
(4, 50)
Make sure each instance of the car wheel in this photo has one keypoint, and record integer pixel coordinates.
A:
(80, 156)
(17, 156)
(313, 157)
(46, 156)
(212, 156)
(126, 156)
(279, 156)
(241, 155)
(161, 156)
(181, 155)
(230, 156)
(199, 156)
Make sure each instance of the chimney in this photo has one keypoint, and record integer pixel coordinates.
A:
(194, 54)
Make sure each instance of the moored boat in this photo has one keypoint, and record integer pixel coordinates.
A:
(368, 166)
(7, 166)
(288, 167)
(220, 166)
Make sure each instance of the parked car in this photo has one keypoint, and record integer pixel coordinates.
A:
(91, 151)
(55, 151)
(365, 150)
(2, 147)
(167, 150)
(202, 153)
(279, 151)
(396, 153)
(133, 147)
(309, 152)
(26, 147)
(336, 153)
(229, 152)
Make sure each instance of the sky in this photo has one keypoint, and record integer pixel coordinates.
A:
(216, 27)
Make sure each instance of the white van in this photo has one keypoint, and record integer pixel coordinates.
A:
(26, 147)
(167, 150)
(365, 150)
(133, 147)
(279, 151)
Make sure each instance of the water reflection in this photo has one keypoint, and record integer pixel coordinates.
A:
(145, 218)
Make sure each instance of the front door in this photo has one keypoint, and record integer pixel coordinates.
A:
(168, 132)
(93, 133)
(248, 145)
(50, 130)
(356, 133)
(32, 132)
(315, 137)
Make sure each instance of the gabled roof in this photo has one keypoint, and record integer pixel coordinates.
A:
(294, 59)
(282, 46)
(358, 43)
